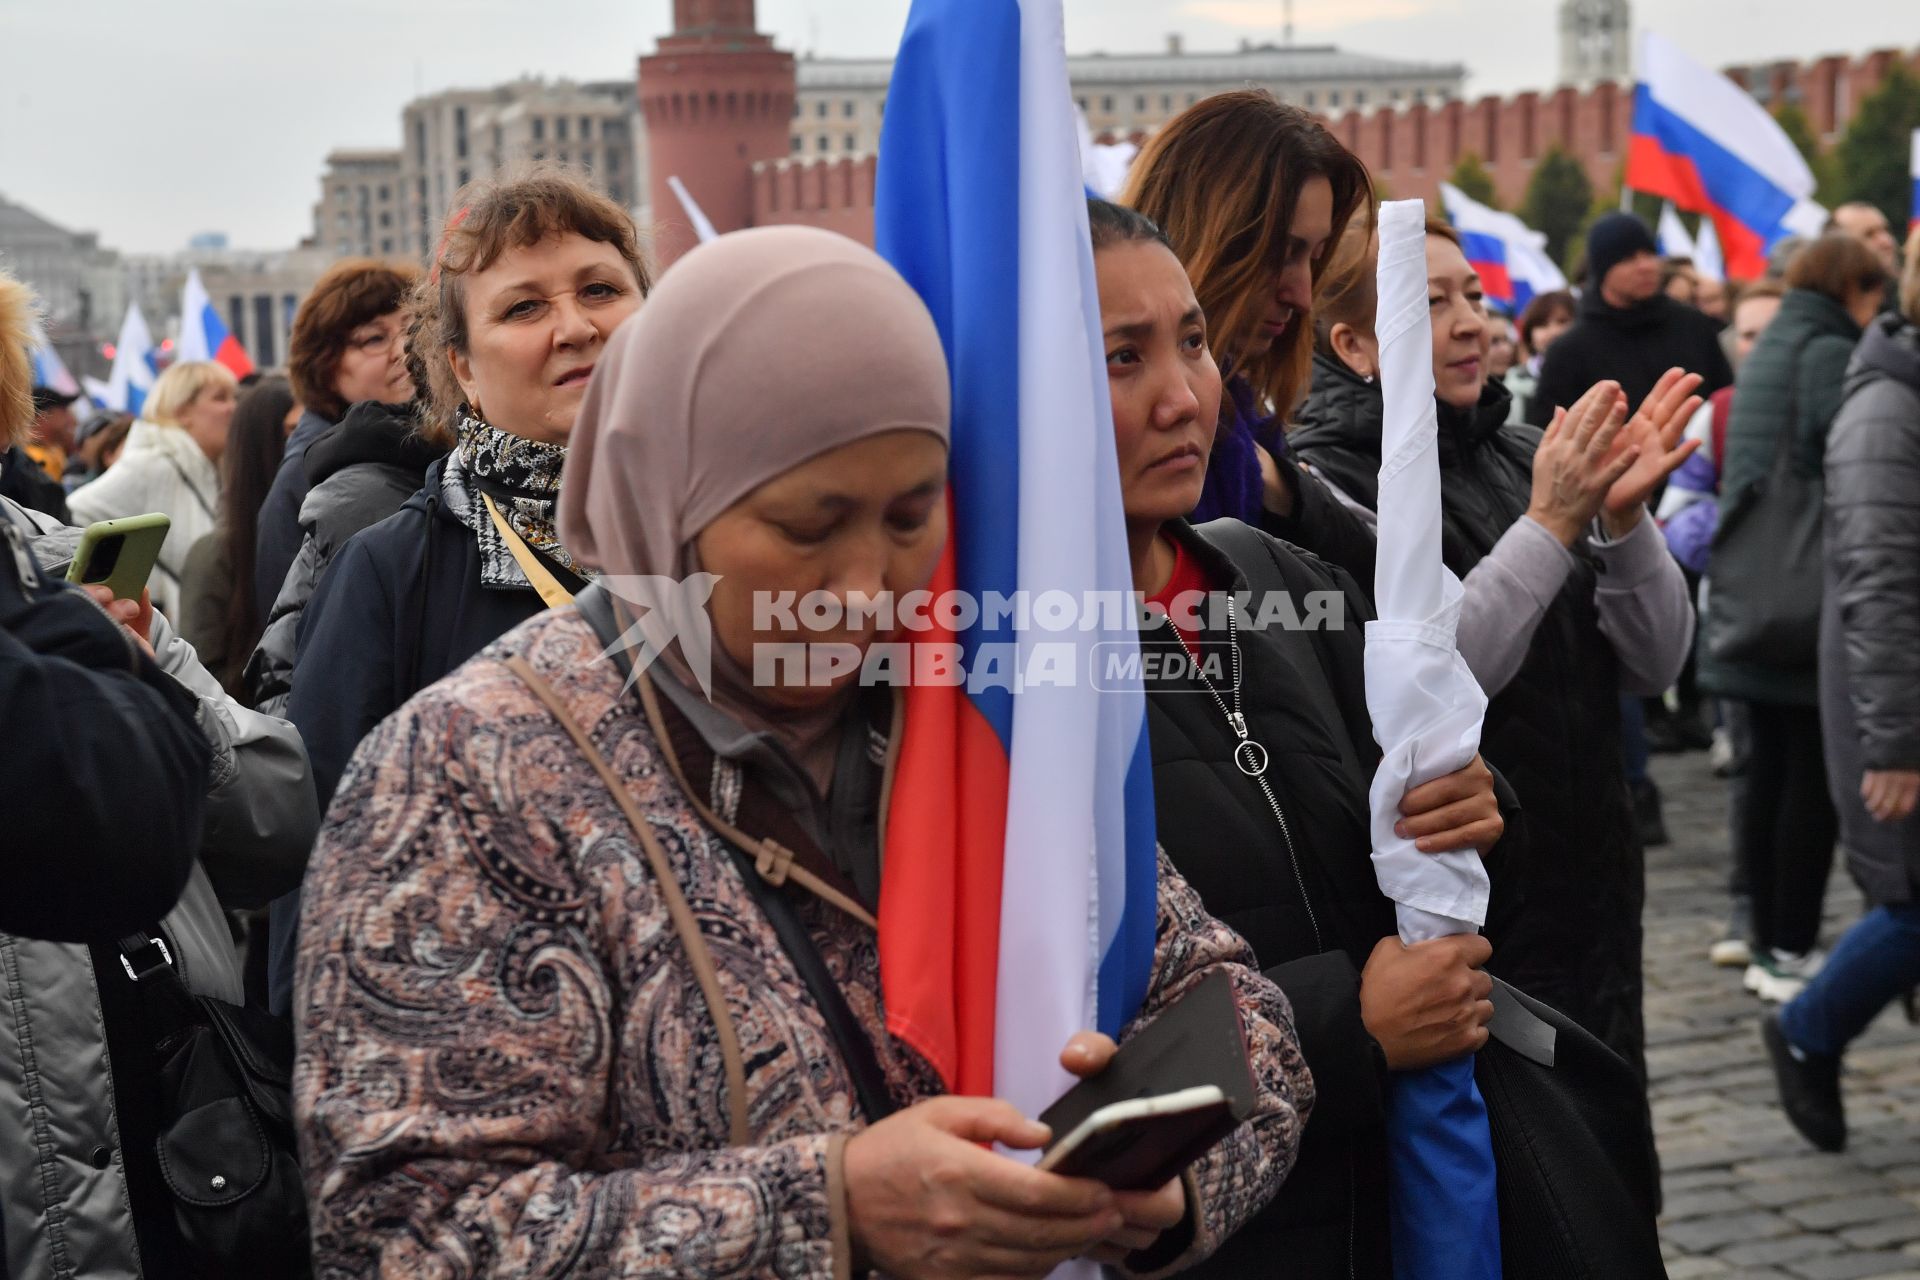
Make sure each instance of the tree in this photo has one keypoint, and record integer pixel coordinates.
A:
(1871, 161)
(1472, 177)
(1558, 200)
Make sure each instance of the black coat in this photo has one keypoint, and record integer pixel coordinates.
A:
(359, 471)
(1304, 896)
(1631, 345)
(1554, 731)
(401, 606)
(1870, 610)
(22, 480)
(106, 765)
(277, 536)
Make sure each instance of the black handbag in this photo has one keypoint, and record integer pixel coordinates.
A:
(224, 1103)
(1575, 1168)
(1764, 574)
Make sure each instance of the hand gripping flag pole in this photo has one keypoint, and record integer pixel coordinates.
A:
(1426, 709)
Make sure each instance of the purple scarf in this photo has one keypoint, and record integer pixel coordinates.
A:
(1234, 487)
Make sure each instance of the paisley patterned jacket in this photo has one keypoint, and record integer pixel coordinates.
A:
(506, 1066)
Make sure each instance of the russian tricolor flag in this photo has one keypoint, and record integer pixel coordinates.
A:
(1702, 142)
(1510, 257)
(1913, 223)
(1019, 901)
(203, 334)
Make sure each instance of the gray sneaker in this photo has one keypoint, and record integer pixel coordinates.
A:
(1734, 949)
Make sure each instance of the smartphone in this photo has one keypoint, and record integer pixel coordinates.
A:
(1144, 1143)
(119, 554)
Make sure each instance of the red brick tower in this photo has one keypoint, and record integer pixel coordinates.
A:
(717, 96)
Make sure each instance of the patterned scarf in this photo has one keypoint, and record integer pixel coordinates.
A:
(523, 478)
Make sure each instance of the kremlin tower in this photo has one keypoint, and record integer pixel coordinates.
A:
(717, 97)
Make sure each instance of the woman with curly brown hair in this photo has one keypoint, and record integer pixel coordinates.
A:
(533, 276)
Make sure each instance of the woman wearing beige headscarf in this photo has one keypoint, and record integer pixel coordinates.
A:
(552, 1006)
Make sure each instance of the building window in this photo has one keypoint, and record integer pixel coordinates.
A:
(364, 197)
(1420, 96)
(460, 145)
(1139, 102)
(386, 218)
(1192, 98)
(826, 144)
(263, 351)
(1333, 98)
(539, 129)
(852, 142)
(466, 176)
(796, 108)
(1359, 98)
(340, 193)
(423, 187)
(1166, 102)
(420, 140)
(1394, 97)
(1081, 103)
(564, 157)
(560, 129)
(385, 194)
(848, 108)
(586, 127)
(797, 144)
(820, 109)
(1106, 104)
(459, 119)
(1313, 100)
(613, 159)
(386, 246)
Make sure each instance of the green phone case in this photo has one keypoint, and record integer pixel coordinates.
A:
(134, 546)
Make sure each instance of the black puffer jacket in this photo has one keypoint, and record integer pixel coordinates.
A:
(1631, 345)
(1791, 383)
(1303, 894)
(359, 471)
(1870, 610)
(1554, 731)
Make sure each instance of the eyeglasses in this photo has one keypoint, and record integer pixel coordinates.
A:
(378, 343)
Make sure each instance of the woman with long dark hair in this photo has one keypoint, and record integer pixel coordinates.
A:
(1253, 194)
(217, 613)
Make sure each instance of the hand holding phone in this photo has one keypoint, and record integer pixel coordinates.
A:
(120, 554)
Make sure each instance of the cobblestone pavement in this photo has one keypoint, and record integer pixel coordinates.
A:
(1746, 1197)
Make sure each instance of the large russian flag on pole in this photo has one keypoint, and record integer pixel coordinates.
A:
(1702, 142)
(203, 334)
(1510, 257)
(1019, 901)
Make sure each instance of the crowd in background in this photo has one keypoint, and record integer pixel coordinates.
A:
(347, 770)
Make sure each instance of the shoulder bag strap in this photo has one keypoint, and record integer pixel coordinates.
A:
(552, 594)
(684, 925)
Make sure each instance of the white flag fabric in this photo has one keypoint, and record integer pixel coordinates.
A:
(1707, 258)
(1426, 706)
(132, 375)
(1673, 237)
(702, 225)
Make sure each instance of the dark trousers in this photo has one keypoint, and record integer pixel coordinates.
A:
(1784, 825)
(1871, 966)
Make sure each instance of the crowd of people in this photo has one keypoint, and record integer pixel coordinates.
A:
(369, 779)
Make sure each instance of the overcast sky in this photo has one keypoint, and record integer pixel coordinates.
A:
(149, 121)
